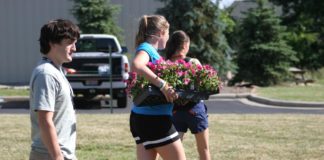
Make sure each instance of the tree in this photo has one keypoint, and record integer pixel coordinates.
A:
(305, 21)
(97, 16)
(200, 19)
(264, 56)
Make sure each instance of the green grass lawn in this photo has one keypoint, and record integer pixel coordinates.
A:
(313, 93)
(14, 92)
(232, 137)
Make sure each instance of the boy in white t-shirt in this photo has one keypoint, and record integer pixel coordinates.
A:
(53, 120)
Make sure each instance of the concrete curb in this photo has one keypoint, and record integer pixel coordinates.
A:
(13, 98)
(285, 103)
(11, 101)
(268, 101)
(229, 96)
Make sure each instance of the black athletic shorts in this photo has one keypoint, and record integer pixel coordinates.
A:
(152, 130)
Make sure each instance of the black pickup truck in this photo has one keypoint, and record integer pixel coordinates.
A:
(89, 72)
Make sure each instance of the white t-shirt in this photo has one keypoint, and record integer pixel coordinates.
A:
(51, 91)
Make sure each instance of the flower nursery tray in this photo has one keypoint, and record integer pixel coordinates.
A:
(153, 96)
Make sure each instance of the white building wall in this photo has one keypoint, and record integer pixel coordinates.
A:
(21, 20)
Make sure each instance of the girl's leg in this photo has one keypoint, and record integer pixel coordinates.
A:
(181, 134)
(172, 151)
(145, 154)
(202, 140)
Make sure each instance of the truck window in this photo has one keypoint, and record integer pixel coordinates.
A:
(96, 45)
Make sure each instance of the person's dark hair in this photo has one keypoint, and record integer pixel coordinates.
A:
(149, 26)
(175, 42)
(55, 31)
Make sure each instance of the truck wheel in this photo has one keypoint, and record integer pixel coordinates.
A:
(122, 102)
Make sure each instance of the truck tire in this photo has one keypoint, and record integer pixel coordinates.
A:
(122, 102)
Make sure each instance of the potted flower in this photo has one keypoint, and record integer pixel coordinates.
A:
(192, 82)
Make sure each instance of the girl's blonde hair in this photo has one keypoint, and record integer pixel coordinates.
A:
(149, 25)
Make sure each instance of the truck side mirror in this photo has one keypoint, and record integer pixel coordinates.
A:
(124, 49)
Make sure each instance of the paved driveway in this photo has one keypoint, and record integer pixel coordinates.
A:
(217, 106)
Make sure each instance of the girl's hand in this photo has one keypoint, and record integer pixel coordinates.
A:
(169, 93)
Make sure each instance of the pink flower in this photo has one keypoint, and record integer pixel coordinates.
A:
(180, 73)
(160, 60)
(181, 61)
(133, 75)
(187, 65)
(193, 71)
(186, 81)
(151, 66)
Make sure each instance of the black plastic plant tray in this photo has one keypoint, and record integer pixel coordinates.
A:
(153, 96)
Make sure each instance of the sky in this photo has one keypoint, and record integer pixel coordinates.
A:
(224, 3)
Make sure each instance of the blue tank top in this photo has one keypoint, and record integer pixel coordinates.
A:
(163, 109)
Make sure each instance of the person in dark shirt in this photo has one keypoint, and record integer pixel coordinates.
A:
(191, 115)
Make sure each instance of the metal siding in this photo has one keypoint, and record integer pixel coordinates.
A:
(3, 27)
(20, 50)
(130, 13)
(21, 21)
